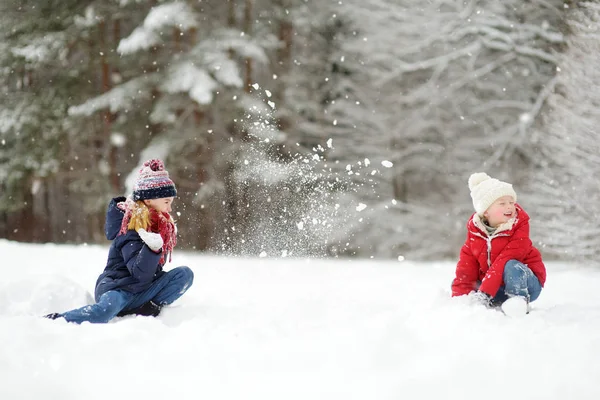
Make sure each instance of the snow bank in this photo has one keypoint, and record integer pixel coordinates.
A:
(293, 329)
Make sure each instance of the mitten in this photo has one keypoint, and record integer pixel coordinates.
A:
(479, 297)
(152, 240)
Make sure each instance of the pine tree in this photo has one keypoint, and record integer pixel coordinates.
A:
(37, 82)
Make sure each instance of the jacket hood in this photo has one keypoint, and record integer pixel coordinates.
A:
(114, 218)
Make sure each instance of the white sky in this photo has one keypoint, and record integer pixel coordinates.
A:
(293, 329)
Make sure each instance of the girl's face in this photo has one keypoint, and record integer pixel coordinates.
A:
(163, 204)
(500, 211)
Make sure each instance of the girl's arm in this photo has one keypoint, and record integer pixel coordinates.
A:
(141, 262)
(467, 272)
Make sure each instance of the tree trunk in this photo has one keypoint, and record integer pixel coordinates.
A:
(286, 35)
(231, 13)
(248, 11)
(107, 117)
(282, 65)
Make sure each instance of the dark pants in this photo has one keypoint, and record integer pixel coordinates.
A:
(165, 290)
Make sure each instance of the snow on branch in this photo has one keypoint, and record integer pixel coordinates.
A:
(224, 69)
(140, 39)
(491, 105)
(177, 14)
(228, 73)
(241, 44)
(89, 19)
(14, 120)
(187, 78)
(542, 31)
(432, 62)
(445, 92)
(40, 49)
(530, 51)
(119, 98)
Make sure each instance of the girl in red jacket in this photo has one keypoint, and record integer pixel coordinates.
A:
(498, 264)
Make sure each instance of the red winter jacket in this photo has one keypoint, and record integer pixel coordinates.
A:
(482, 257)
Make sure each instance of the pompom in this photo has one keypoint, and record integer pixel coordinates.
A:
(155, 165)
(476, 178)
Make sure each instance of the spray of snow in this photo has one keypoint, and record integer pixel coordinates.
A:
(296, 197)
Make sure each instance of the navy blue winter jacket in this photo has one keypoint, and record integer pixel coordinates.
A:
(131, 265)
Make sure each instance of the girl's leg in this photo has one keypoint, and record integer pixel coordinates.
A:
(107, 307)
(533, 286)
(166, 289)
(519, 280)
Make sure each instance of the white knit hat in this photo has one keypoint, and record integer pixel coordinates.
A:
(486, 190)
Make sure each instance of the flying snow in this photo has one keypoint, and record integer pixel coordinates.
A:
(117, 139)
(361, 206)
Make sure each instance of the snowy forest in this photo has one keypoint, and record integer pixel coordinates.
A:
(302, 127)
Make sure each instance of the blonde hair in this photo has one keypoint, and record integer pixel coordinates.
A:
(140, 216)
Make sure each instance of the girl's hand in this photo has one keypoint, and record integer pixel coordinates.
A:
(153, 240)
(480, 298)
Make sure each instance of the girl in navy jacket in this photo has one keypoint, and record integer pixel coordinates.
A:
(143, 235)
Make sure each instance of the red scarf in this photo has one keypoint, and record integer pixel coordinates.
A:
(160, 222)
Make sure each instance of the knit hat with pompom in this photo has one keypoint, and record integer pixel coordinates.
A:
(153, 182)
(486, 190)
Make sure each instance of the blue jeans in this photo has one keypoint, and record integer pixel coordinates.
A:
(165, 290)
(519, 280)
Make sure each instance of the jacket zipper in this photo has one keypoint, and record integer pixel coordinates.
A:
(488, 240)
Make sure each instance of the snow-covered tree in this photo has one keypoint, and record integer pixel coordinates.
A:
(206, 76)
(449, 88)
(329, 127)
(564, 191)
(37, 79)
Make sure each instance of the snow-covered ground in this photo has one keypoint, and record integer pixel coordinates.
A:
(293, 329)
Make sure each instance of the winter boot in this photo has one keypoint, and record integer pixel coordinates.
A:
(53, 315)
(149, 309)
